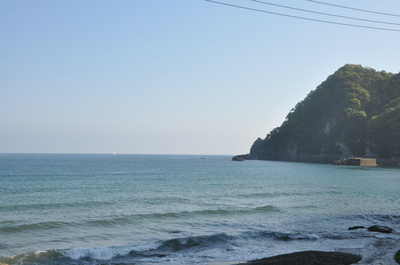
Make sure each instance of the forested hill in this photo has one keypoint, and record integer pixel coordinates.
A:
(354, 112)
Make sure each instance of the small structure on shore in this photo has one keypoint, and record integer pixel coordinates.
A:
(356, 161)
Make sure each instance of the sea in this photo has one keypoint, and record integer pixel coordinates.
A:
(91, 209)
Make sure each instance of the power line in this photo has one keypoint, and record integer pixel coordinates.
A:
(298, 17)
(326, 14)
(352, 8)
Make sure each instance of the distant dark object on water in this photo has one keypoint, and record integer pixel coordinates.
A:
(374, 228)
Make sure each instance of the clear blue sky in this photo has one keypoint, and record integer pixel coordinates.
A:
(170, 76)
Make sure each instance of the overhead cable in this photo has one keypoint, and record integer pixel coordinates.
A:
(298, 17)
(326, 14)
(352, 8)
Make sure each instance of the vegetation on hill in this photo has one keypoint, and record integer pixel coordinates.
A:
(354, 112)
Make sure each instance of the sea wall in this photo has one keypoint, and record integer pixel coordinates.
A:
(356, 161)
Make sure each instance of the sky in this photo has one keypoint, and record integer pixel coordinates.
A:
(172, 76)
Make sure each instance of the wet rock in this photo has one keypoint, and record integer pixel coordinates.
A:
(374, 228)
(380, 228)
(309, 258)
(356, 227)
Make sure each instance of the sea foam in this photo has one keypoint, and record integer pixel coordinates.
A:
(98, 253)
(106, 253)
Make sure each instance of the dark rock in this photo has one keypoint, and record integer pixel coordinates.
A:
(341, 161)
(237, 158)
(245, 157)
(309, 258)
(374, 228)
(356, 227)
(380, 228)
(256, 147)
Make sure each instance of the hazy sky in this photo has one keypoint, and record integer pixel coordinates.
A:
(171, 76)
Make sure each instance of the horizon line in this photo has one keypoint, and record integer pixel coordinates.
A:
(111, 153)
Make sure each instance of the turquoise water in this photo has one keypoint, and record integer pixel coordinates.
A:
(176, 209)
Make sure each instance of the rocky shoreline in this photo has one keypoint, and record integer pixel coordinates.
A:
(316, 159)
(323, 257)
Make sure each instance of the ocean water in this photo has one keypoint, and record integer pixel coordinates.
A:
(177, 209)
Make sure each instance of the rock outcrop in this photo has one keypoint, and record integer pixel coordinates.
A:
(374, 228)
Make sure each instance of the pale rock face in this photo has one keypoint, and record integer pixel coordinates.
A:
(344, 149)
(328, 127)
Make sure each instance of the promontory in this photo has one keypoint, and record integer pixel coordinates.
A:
(354, 112)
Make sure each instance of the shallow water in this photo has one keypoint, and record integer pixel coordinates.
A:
(170, 209)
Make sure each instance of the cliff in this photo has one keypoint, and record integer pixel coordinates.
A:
(354, 112)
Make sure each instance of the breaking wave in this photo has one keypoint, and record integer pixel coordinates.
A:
(159, 249)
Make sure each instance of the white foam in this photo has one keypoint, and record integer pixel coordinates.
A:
(98, 253)
(387, 236)
(146, 247)
(105, 253)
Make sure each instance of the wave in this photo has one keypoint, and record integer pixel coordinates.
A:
(179, 244)
(295, 236)
(49, 206)
(35, 226)
(166, 199)
(156, 250)
(385, 218)
(271, 195)
(97, 253)
(211, 212)
(112, 221)
(281, 236)
(370, 219)
(267, 208)
(38, 257)
(70, 256)
(136, 218)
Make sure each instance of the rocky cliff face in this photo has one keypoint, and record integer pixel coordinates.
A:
(257, 153)
(355, 112)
